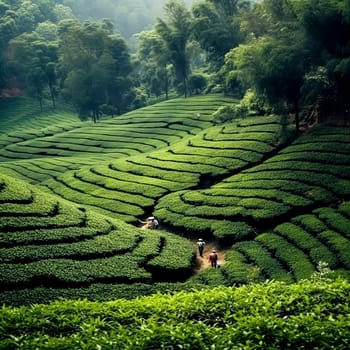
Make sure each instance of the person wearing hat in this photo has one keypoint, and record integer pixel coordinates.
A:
(148, 224)
(200, 244)
(213, 258)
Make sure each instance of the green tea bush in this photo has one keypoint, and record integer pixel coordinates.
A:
(341, 170)
(123, 211)
(269, 267)
(153, 184)
(320, 157)
(115, 242)
(310, 222)
(334, 220)
(231, 230)
(344, 208)
(14, 191)
(94, 225)
(236, 268)
(225, 114)
(338, 244)
(174, 261)
(233, 182)
(271, 315)
(66, 215)
(40, 205)
(289, 256)
(209, 278)
(306, 242)
(122, 186)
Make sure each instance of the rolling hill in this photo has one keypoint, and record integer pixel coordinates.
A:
(71, 195)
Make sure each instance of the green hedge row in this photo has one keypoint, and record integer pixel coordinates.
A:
(312, 146)
(14, 191)
(230, 208)
(232, 155)
(259, 121)
(342, 171)
(213, 134)
(298, 188)
(182, 167)
(327, 182)
(40, 205)
(93, 292)
(208, 165)
(65, 216)
(74, 247)
(309, 244)
(29, 171)
(340, 245)
(138, 127)
(67, 272)
(140, 167)
(175, 259)
(242, 145)
(237, 270)
(321, 235)
(93, 225)
(310, 222)
(126, 188)
(108, 173)
(90, 189)
(332, 158)
(222, 229)
(335, 220)
(247, 125)
(294, 259)
(123, 211)
(82, 183)
(269, 267)
(113, 243)
(271, 190)
(114, 258)
(24, 114)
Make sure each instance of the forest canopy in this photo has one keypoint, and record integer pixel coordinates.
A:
(289, 56)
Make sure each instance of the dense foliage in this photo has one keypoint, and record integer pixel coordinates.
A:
(308, 315)
(293, 55)
(234, 171)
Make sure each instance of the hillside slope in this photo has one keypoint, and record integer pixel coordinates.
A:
(276, 206)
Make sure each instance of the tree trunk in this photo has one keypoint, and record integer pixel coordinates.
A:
(296, 113)
(166, 84)
(52, 94)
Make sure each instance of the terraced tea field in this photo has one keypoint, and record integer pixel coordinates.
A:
(71, 195)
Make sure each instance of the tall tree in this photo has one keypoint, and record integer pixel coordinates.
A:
(7, 32)
(216, 28)
(327, 23)
(274, 64)
(117, 62)
(176, 32)
(94, 65)
(35, 59)
(18, 17)
(153, 58)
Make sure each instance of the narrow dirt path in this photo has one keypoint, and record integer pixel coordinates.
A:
(203, 262)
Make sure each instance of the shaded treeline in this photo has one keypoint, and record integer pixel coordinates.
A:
(282, 55)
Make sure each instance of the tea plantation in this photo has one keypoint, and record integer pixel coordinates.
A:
(71, 195)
